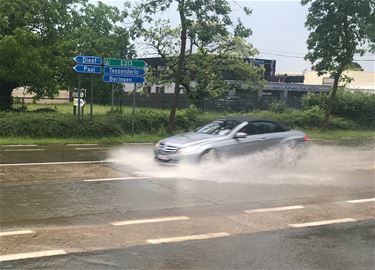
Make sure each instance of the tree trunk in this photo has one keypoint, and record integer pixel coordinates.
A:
(331, 101)
(181, 58)
(6, 96)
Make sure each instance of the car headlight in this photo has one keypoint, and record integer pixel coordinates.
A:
(190, 150)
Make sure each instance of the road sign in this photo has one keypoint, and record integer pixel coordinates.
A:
(122, 79)
(89, 60)
(82, 93)
(88, 69)
(124, 62)
(82, 102)
(124, 71)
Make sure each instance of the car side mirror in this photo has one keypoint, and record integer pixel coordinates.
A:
(240, 135)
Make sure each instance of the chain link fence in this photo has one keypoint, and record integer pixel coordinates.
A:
(121, 101)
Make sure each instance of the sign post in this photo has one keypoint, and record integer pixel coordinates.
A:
(133, 112)
(91, 95)
(124, 71)
(79, 96)
(86, 65)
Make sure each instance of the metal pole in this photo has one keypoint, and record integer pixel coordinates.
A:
(79, 96)
(91, 95)
(133, 113)
(112, 97)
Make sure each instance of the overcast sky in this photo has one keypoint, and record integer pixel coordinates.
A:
(278, 31)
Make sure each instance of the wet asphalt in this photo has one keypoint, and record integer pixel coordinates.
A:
(69, 198)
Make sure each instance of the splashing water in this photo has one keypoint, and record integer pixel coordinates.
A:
(322, 165)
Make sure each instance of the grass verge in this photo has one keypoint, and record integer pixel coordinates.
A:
(340, 134)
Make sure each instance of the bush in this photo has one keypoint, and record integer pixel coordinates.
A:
(45, 110)
(278, 107)
(39, 125)
(43, 125)
(356, 106)
(57, 125)
(311, 118)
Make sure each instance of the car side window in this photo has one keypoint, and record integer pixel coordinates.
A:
(249, 129)
(266, 127)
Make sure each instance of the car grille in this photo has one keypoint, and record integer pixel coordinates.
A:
(167, 149)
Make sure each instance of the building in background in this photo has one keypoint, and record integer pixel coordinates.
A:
(22, 96)
(361, 80)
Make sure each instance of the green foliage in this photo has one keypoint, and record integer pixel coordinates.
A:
(58, 125)
(45, 110)
(278, 107)
(357, 106)
(39, 38)
(311, 118)
(202, 33)
(339, 30)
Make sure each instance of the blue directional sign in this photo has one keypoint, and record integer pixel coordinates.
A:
(124, 71)
(88, 60)
(88, 69)
(122, 79)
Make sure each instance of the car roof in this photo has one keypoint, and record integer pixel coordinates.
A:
(246, 119)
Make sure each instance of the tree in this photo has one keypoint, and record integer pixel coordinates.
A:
(96, 32)
(339, 30)
(205, 71)
(39, 38)
(201, 24)
(29, 31)
(205, 68)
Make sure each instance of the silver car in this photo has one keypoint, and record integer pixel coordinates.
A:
(227, 137)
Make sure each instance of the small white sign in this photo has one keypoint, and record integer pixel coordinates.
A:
(75, 102)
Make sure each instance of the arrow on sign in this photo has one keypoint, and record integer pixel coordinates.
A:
(122, 79)
(89, 60)
(88, 69)
(124, 71)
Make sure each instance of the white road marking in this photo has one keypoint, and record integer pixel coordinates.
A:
(362, 200)
(188, 238)
(53, 163)
(16, 232)
(262, 210)
(20, 256)
(322, 222)
(142, 221)
(81, 144)
(24, 150)
(92, 148)
(114, 179)
(19, 145)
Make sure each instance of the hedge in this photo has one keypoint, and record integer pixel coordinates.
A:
(58, 125)
(357, 106)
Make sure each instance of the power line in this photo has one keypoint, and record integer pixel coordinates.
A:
(282, 55)
(301, 57)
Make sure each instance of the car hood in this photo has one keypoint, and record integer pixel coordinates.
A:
(190, 139)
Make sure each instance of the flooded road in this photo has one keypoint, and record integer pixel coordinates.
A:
(113, 207)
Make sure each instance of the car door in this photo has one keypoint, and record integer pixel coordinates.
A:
(242, 146)
(270, 132)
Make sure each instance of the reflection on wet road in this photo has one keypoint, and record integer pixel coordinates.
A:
(96, 207)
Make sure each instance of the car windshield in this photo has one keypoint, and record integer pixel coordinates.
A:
(220, 127)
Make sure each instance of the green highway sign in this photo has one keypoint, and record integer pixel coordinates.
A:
(124, 62)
